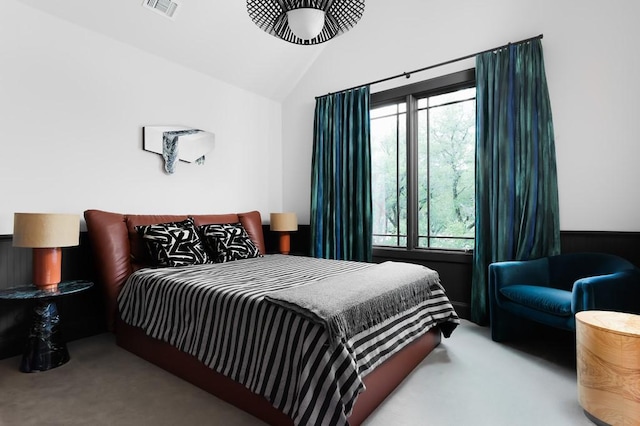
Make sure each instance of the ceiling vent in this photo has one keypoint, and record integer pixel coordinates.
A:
(166, 8)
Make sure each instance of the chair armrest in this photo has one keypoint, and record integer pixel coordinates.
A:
(530, 272)
(619, 291)
(503, 274)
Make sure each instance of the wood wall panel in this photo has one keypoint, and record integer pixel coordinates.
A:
(300, 240)
(15, 264)
(82, 314)
(623, 244)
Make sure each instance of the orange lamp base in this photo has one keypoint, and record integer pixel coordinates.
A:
(47, 267)
(285, 242)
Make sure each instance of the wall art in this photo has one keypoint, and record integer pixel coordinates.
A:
(177, 143)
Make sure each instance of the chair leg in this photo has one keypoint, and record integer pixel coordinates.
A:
(504, 325)
(500, 330)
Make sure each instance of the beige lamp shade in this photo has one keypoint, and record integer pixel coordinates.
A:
(284, 222)
(45, 230)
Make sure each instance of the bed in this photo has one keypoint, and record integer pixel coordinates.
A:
(309, 377)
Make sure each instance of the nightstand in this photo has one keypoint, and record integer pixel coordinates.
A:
(45, 347)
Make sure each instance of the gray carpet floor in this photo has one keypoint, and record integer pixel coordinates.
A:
(467, 380)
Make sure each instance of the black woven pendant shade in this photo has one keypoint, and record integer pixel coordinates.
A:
(271, 16)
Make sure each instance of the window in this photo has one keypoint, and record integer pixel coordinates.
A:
(423, 164)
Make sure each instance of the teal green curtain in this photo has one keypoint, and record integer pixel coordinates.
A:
(341, 217)
(516, 181)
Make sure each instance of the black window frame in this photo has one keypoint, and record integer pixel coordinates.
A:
(410, 94)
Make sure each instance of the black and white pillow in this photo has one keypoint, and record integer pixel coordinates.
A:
(174, 243)
(228, 241)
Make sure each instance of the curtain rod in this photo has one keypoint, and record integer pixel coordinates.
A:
(408, 74)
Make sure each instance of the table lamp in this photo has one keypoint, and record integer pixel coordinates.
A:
(284, 223)
(46, 233)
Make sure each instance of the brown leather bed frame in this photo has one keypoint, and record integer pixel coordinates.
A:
(118, 252)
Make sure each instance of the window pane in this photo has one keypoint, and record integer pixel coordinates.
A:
(458, 95)
(444, 195)
(423, 174)
(446, 173)
(402, 186)
(384, 111)
(388, 161)
(451, 170)
(451, 243)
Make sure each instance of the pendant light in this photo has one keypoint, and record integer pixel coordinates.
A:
(305, 22)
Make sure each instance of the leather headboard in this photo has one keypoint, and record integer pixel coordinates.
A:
(118, 250)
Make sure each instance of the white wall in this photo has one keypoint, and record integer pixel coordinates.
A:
(592, 61)
(72, 107)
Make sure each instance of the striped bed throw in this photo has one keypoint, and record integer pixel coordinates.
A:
(219, 314)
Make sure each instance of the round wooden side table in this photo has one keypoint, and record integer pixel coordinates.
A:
(608, 364)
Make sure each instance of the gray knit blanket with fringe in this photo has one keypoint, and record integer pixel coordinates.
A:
(350, 303)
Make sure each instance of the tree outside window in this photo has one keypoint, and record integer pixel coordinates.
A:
(423, 156)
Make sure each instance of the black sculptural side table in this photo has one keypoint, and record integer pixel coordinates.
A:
(46, 349)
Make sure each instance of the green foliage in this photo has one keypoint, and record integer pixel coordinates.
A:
(446, 177)
(389, 179)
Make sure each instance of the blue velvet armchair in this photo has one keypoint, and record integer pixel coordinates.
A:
(551, 290)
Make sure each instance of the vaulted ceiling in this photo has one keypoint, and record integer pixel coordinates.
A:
(215, 37)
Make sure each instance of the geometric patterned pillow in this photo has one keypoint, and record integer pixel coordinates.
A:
(174, 243)
(228, 241)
